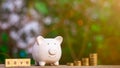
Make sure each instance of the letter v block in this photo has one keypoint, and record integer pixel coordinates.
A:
(17, 62)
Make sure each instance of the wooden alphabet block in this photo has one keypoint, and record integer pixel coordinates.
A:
(17, 62)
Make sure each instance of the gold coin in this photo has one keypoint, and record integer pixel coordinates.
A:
(70, 64)
(77, 63)
(85, 61)
(93, 55)
(93, 59)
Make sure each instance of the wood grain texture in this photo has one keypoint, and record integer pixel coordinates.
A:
(65, 66)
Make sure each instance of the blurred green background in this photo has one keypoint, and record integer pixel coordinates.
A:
(87, 26)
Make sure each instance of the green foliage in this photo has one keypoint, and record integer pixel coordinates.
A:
(89, 44)
(95, 28)
(41, 7)
(52, 34)
(4, 37)
(4, 49)
(3, 56)
(3, 53)
(99, 38)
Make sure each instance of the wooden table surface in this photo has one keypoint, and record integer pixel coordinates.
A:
(64, 66)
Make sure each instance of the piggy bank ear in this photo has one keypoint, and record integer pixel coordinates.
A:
(59, 38)
(39, 39)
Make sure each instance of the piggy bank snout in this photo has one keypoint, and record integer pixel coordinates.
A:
(52, 51)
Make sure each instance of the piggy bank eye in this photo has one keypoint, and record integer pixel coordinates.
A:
(54, 43)
(47, 43)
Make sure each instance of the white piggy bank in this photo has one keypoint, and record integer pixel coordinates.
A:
(47, 50)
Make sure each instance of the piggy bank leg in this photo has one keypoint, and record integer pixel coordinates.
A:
(51, 64)
(36, 63)
(56, 63)
(42, 63)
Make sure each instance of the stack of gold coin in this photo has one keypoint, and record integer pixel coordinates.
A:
(85, 61)
(93, 59)
(70, 64)
(77, 63)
